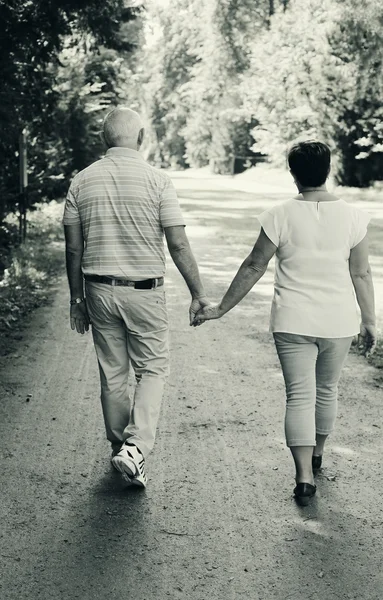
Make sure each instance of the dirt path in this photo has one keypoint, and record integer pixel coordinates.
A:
(217, 521)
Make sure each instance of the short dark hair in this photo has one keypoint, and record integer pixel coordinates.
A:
(310, 162)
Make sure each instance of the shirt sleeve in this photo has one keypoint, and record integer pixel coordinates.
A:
(170, 210)
(71, 212)
(271, 223)
(361, 221)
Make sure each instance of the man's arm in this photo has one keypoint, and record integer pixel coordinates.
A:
(74, 249)
(185, 262)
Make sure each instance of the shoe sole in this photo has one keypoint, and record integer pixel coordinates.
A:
(316, 470)
(138, 483)
(303, 500)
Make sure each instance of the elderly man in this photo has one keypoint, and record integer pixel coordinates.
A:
(116, 213)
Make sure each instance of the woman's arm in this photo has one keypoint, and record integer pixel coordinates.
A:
(251, 271)
(361, 277)
(360, 272)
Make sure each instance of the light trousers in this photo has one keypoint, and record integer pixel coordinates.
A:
(130, 328)
(311, 369)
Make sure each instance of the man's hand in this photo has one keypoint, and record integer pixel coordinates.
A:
(79, 318)
(367, 339)
(207, 314)
(196, 305)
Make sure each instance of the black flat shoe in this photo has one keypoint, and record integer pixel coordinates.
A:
(316, 463)
(303, 492)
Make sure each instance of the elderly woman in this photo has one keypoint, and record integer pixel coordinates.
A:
(321, 248)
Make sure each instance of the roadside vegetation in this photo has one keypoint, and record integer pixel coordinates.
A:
(31, 270)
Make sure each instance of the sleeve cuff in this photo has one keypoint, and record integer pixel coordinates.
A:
(364, 219)
(267, 222)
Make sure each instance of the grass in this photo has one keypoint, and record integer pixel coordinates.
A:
(376, 360)
(32, 270)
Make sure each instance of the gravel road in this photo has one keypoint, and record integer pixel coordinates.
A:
(217, 520)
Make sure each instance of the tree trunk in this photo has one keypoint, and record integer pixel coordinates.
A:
(271, 8)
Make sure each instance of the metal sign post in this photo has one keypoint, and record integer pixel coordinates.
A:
(23, 185)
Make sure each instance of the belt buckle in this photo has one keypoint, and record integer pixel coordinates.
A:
(113, 282)
(155, 283)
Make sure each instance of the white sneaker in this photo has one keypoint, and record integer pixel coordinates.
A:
(114, 453)
(130, 462)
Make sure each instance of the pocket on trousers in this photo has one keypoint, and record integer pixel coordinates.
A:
(148, 311)
(92, 290)
(156, 296)
(161, 297)
(97, 307)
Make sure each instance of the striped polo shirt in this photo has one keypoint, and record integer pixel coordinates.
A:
(123, 205)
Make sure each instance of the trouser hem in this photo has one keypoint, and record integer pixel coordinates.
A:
(292, 443)
(143, 448)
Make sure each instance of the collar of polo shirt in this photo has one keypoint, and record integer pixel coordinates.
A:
(120, 151)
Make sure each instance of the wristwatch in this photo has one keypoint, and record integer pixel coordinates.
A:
(76, 301)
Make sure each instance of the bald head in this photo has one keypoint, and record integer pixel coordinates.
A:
(123, 127)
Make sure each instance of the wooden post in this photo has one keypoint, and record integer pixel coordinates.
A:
(232, 166)
(23, 185)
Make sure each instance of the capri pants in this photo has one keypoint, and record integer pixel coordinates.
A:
(311, 369)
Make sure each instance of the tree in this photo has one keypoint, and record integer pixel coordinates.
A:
(357, 39)
(190, 71)
(32, 38)
(281, 87)
(164, 67)
(323, 81)
(216, 125)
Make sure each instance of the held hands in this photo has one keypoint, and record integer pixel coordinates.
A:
(207, 313)
(196, 305)
(367, 339)
(79, 317)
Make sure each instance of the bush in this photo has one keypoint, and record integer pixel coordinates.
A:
(32, 269)
(318, 73)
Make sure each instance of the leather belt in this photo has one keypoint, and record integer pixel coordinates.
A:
(146, 284)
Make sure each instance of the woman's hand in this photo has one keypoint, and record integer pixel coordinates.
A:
(367, 339)
(207, 314)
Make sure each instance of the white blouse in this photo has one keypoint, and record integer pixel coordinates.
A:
(313, 290)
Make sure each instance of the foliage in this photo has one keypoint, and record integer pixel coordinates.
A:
(164, 67)
(296, 69)
(279, 87)
(358, 131)
(87, 84)
(217, 125)
(33, 36)
(190, 72)
(323, 81)
(208, 75)
(32, 269)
